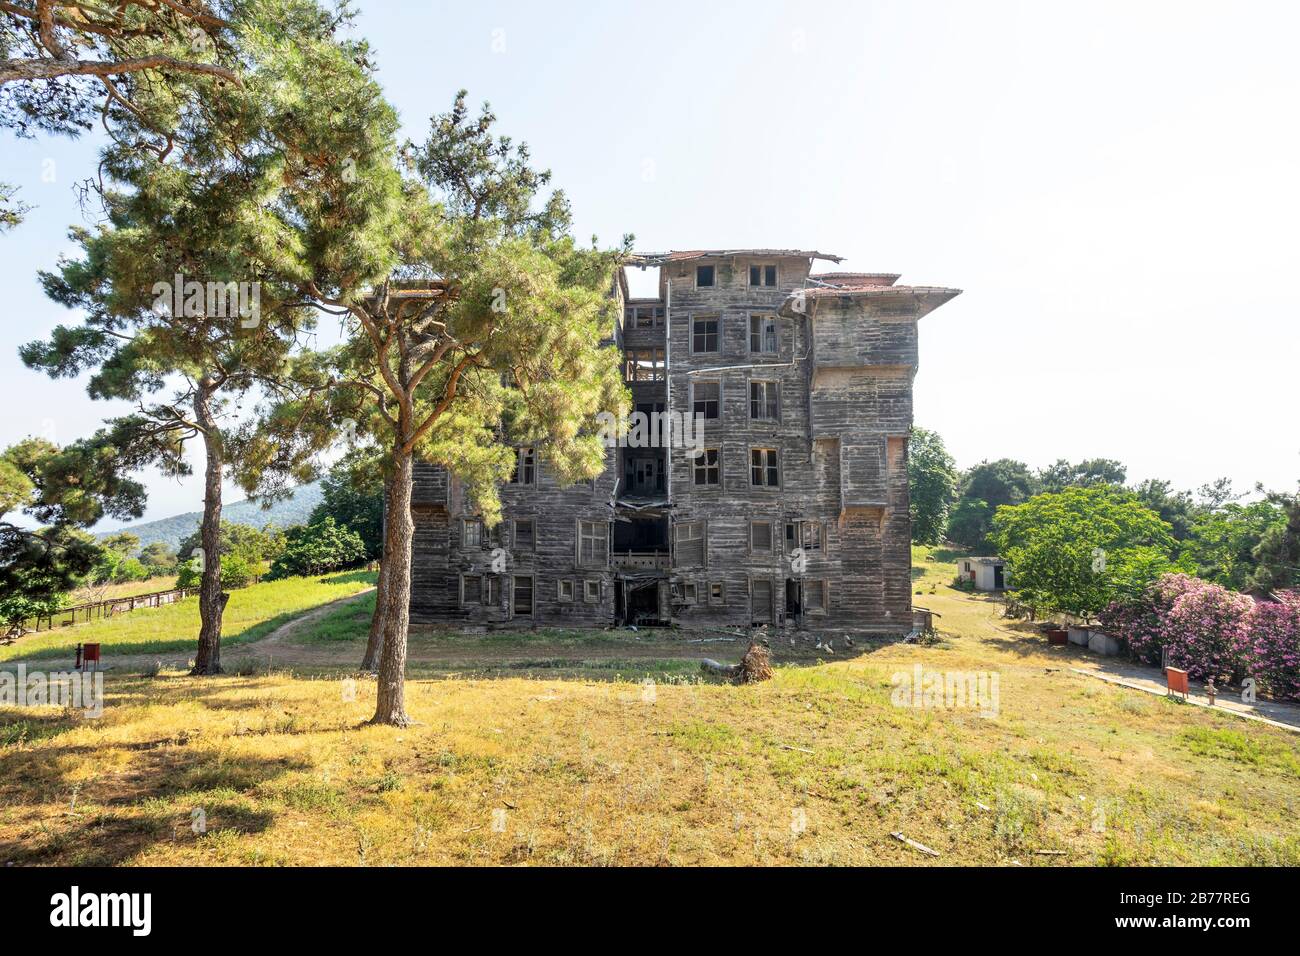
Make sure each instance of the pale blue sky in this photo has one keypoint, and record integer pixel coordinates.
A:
(1114, 186)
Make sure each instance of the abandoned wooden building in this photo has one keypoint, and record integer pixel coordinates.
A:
(787, 506)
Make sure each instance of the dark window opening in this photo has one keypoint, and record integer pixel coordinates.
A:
(707, 470)
(707, 398)
(704, 334)
(703, 277)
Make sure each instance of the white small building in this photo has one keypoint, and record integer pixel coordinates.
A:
(987, 574)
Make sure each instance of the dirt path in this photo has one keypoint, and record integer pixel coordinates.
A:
(276, 646)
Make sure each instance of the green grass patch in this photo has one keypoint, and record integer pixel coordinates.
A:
(252, 613)
(1226, 744)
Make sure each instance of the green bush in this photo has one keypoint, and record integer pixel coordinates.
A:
(236, 572)
(318, 548)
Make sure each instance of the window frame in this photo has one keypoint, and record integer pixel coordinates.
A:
(559, 590)
(765, 319)
(764, 270)
(481, 591)
(802, 538)
(525, 473)
(721, 599)
(713, 276)
(695, 383)
(824, 592)
(679, 536)
(477, 523)
(771, 536)
(514, 534)
(587, 585)
(770, 387)
(633, 356)
(716, 334)
(583, 536)
(699, 463)
(532, 595)
(771, 460)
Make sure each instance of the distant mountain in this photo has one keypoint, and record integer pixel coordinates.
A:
(283, 514)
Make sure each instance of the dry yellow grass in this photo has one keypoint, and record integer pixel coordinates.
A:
(813, 767)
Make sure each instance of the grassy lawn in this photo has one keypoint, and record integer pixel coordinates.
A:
(110, 592)
(586, 764)
(174, 628)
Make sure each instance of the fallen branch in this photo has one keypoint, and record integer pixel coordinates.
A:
(897, 835)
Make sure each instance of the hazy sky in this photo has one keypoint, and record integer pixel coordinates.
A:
(1116, 187)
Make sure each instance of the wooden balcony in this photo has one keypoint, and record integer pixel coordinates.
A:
(645, 560)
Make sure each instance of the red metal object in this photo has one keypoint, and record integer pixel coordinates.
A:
(1177, 681)
(1057, 637)
(88, 653)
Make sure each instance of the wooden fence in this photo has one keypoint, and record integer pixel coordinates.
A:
(85, 613)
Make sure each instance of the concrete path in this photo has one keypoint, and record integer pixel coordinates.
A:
(1152, 681)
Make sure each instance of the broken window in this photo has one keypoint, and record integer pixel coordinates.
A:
(704, 277)
(814, 596)
(704, 333)
(690, 543)
(706, 399)
(492, 591)
(716, 593)
(707, 470)
(762, 334)
(564, 590)
(525, 534)
(644, 365)
(808, 535)
(593, 544)
(591, 592)
(525, 472)
(760, 537)
(645, 317)
(765, 401)
(764, 468)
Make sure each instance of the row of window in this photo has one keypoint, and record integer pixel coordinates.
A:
(811, 595)
(764, 399)
(764, 334)
(764, 468)
(485, 589)
(761, 275)
(690, 538)
(648, 364)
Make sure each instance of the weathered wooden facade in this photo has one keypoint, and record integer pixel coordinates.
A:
(791, 508)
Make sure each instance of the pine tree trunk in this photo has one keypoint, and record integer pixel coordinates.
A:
(211, 601)
(375, 642)
(398, 531)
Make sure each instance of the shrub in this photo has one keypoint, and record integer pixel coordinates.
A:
(1204, 628)
(236, 572)
(1273, 658)
(318, 548)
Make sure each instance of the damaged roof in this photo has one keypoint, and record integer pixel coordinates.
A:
(658, 258)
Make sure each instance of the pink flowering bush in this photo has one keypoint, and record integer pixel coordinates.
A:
(1274, 656)
(1205, 628)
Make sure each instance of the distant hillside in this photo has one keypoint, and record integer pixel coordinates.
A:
(283, 514)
